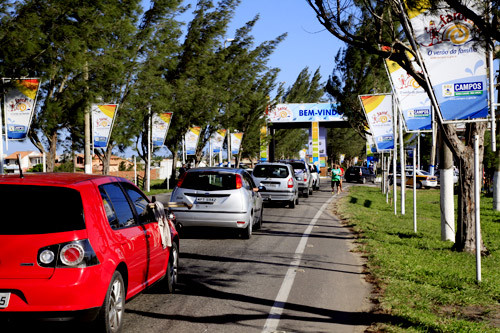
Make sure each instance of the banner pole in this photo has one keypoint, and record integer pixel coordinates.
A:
(477, 187)
(414, 191)
(492, 89)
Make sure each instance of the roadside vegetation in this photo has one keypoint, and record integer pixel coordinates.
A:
(421, 284)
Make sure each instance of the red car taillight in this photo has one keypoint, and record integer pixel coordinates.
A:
(179, 183)
(239, 182)
(290, 183)
(72, 254)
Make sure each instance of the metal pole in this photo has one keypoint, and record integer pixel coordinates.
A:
(414, 191)
(148, 164)
(394, 160)
(229, 154)
(388, 162)
(402, 161)
(434, 142)
(210, 152)
(1, 143)
(135, 171)
(492, 90)
(477, 187)
(418, 151)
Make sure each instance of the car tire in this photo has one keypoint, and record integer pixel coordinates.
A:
(306, 193)
(291, 203)
(258, 224)
(173, 268)
(247, 232)
(311, 191)
(419, 185)
(110, 318)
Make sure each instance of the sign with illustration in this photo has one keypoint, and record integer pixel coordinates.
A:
(321, 142)
(236, 139)
(191, 140)
(19, 105)
(455, 61)
(217, 140)
(307, 112)
(413, 101)
(378, 110)
(161, 123)
(103, 116)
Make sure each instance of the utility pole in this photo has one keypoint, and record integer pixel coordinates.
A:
(87, 148)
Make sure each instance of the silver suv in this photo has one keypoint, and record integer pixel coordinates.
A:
(302, 175)
(279, 182)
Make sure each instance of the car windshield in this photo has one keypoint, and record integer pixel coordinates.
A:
(30, 210)
(270, 171)
(209, 181)
(423, 173)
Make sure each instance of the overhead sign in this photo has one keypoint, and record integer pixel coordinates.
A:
(19, 105)
(378, 110)
(103, 116)
(161, 123)
(455, 61)
(307, 112)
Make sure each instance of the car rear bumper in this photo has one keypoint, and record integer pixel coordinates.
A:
(277, 196)
(67, 291)
(192, 218)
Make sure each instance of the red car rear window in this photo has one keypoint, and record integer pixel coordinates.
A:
(30, 210)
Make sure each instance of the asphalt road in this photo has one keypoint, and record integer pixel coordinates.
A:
(296, 274)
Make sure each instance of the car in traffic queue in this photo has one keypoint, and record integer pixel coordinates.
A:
(316, 179)
(359, 174)
(77, 246)
(220, 197)
(278, 182)
(423, 179)
(302, 175)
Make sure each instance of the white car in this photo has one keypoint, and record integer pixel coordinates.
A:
(220, 197)
(315, 176)
(279, 182)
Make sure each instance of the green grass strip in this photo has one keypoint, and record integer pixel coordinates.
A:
(422, 285)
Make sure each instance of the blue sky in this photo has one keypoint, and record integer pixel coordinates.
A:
(308, 44)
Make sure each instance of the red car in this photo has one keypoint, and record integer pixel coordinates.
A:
(78, 246)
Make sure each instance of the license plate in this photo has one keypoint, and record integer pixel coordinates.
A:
(4, 300)
(271, 185)
(206, 200)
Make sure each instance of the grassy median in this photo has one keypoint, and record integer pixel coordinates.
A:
(421, 284)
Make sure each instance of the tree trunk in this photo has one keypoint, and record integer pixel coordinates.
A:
(106, 159)
(465, 239)
(51, 160)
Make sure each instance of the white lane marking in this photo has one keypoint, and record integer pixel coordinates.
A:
(279, 303)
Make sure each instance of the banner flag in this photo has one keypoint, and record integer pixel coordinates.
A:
(19, 105)
(217, 140)
(161, 123)
(413, 100)
(191, 139)
(236, 142)
(263, 144)
(455, 61)
(103, 116)
(307, 112)
(378, 110)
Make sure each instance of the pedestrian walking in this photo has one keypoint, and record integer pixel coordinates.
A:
(336, 175)
(341, 177)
